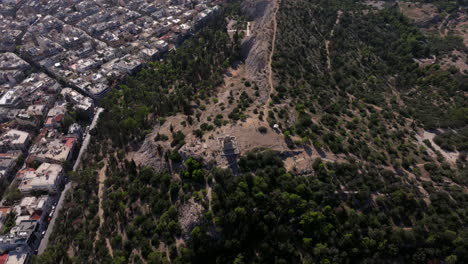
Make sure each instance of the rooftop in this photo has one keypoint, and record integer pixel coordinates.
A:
(42, 179)
(14, 137)
(55, 150)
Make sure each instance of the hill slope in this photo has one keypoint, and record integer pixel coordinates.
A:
(333, 161)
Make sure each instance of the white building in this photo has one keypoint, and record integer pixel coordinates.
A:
(8, 161)
(48, 177)
(14, 140)
(33, 208)
(81, 102)
(55, 151)
(10, 99)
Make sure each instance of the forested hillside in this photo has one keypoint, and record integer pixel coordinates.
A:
(347, 88)
(162, 89)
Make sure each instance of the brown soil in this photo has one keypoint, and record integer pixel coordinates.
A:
(457, 59)
(418, 12)
(101, 180)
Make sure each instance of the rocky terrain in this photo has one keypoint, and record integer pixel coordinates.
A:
(258, 47)
(257, 50)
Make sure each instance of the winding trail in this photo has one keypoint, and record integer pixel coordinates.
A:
(443, 27)
(101, 179)
(332, 33)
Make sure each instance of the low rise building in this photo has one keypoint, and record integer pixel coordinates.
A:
(56, 114)
(34, 208)
(18, 256)
(26, 120)
(128, 64)
(162, 45)
(57, 150)
(80, 102)
(149, 54)
(14, 140)
(47, 177)
(20, 237)
(75, 130)
(12, 67)
(8, 162)
(11, 99)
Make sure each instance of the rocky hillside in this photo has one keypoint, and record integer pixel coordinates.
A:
(258, 46)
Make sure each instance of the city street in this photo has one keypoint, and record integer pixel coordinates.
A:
(84, 146)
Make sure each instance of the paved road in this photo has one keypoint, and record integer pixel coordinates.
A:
(84, 146)
(45, 239)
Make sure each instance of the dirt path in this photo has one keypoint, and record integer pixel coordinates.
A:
(270, 58)
(101, 179)
(209, 194)
(339, 13)
(443, 31)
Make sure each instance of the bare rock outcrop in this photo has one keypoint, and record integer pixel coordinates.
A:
(189, 215)
(148, 155)
(257, 47)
